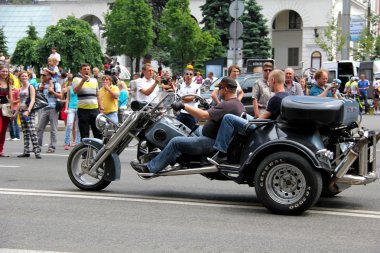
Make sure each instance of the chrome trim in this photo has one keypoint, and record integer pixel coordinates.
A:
(209, 169)
(358, 180)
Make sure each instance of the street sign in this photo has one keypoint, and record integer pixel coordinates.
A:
(238, 45)
(236, 29)
(236, 9)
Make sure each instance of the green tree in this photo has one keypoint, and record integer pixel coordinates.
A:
(26, 53)
(182, 37)
(366, 47)
(216, 18)
(256, 43)
(332, 40)
(3, 42)
(75, 42)
(129, 28)
(376, 53)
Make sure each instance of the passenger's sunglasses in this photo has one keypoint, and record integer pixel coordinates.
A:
(267, 70)
(189, 74)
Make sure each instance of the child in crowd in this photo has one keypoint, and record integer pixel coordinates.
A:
(13, 126)
(53, 70)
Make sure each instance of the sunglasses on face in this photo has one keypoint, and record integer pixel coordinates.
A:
(189, 74)
(267, 70)
(43, 75)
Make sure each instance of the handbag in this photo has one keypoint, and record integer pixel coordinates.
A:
(58, 103)
(40, 100)
(6, 110)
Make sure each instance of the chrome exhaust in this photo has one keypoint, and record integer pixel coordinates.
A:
(358, 180)
(208, 169)
(342, 168)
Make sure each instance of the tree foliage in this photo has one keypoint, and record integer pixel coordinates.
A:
(75, 42)
(332, 40)
(26, 49)
(256, 43)
(3, 42)
(366, 47)
(129, 28)
(182, 37)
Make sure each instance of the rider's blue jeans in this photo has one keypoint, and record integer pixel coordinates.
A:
(181, 145)
(231, 124)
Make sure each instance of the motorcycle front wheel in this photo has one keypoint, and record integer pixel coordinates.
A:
(78, 166)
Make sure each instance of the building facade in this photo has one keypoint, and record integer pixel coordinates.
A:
(293, 24)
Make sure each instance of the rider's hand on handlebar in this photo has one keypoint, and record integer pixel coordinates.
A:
(178, 106)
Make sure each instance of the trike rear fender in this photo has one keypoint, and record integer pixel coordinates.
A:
(112, 163)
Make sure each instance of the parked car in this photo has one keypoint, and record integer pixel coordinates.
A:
(246, 82)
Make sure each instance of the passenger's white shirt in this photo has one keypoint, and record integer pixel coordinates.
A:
(143, 83)
(185, 89)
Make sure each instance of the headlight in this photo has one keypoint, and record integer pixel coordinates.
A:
(101, 122)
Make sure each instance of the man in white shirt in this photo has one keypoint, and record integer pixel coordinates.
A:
(147, 88)
(55, 55)
(185, 88)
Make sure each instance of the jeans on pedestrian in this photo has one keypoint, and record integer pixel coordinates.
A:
(47, 115)
(71, 118)
(231, 124)
(365, 98)
(113, 116)
(14, 129)
(180, 145)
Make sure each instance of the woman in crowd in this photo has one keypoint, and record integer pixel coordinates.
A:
(109, 95)
(27, 116)
(14, 129)
(71, 108)
(32, 79)
(123, 99)
(304, 87)
(5, 98)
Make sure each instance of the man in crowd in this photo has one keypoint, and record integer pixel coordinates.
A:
(232, 124)
(49, 113)
(206, 135)
(188, 87)
(320, 88)
(147, 87)
(261, 91)
(55, 55)
(292, 87)
(98, 76)
(363, 86)
(89, 102)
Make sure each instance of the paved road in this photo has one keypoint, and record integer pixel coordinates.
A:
(40, 209)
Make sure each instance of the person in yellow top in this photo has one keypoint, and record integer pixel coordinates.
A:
(16, 81)
(109, 96)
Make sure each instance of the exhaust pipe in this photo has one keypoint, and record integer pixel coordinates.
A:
(208, 169)
(350, 158)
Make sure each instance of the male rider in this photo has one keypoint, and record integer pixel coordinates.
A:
(232, 124)
(203, 143)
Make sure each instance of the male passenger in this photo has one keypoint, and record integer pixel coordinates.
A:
(203, 144)
(232, 124)
(320, 88)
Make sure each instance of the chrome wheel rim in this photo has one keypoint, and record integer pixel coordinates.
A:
(285, 184)
(80, 167)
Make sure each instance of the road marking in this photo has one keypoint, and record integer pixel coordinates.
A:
(179, 201)
(9, 166)
(27, 251)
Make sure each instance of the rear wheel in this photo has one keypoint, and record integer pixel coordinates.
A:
(286, 183)
(78, 166)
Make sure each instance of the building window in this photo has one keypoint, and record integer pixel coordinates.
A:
(295, 21)
(272, 53)
(293, 56)
(274, 24)
(316, 60)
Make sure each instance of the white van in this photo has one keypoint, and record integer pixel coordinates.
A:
(342, 70)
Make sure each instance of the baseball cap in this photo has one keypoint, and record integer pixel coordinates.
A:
(338, 81)
(227, 81)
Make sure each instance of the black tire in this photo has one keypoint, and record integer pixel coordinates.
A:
(76, 168)
(286, 183)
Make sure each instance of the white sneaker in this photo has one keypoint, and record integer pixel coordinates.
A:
(15, 139)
